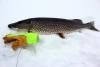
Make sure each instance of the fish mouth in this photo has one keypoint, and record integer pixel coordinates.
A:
(10, 26)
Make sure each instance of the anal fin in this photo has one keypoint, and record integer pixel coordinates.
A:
(61, 35)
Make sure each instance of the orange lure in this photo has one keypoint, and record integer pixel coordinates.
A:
(17, 41)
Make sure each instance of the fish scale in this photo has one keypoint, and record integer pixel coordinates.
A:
(50, 28)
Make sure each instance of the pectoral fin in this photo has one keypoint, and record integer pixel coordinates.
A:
(29, 30)
(61, 35)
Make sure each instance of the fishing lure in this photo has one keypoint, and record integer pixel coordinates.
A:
(21, 40)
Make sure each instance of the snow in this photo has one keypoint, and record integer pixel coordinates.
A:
(79, 49)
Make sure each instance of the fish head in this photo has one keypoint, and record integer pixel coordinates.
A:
(13, 25)
(19, 25)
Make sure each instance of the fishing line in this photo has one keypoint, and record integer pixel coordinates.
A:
(18, 57)
(34, 49)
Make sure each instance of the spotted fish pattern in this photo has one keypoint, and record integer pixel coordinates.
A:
(47, 25)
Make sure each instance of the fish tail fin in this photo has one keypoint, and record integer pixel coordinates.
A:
(91, 26)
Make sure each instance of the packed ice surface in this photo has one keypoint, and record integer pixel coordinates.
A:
(79, 49)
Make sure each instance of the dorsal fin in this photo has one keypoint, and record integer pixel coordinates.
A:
(78, 21)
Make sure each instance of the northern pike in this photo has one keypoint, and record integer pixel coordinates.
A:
(52, 25)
